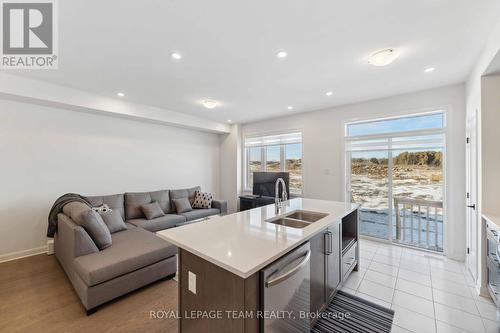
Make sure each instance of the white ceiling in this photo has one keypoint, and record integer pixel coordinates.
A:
(229, 48)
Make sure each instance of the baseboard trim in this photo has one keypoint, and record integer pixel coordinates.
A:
(22, 254)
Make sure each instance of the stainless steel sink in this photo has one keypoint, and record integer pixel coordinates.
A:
(297, 219)
(305, 215)
(289, 222)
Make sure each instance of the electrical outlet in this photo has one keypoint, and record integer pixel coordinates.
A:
(192, 282)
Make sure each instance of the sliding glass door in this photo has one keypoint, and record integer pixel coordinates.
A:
(370, 188)
(395, 172)
(417, 191)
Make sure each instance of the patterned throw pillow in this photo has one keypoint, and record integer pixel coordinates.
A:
(102, 209)
(203, 200)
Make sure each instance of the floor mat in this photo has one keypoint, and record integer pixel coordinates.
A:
(349, 313)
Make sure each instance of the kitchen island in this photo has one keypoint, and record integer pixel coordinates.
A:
(222, 260)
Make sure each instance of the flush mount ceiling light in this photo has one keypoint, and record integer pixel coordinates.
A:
(383, 57)
(329, 93)
(290, 107)
(281, 54)
(176, 55)
(430, 69)
(209, 103)
(120, 94)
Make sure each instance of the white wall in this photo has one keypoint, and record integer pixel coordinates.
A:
(473, 103)
(46, 152)
(323, 151)
(490, 136)
(230, 167)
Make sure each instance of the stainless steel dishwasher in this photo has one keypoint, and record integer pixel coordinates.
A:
(285, 292)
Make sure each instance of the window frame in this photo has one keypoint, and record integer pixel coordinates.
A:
(396, 133)
(263, 160)
(446, 137)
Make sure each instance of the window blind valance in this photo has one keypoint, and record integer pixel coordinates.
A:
(397, 143)
(271, 140)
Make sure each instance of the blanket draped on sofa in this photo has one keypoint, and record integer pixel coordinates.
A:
(57, 208)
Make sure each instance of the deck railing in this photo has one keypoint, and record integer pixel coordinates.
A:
(419, 223)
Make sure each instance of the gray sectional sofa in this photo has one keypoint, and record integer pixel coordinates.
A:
(136, 256)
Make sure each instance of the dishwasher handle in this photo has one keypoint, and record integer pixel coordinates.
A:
(289, 273)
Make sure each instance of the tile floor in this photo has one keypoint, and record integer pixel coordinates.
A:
(428, 292)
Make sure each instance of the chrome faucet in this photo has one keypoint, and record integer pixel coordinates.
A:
(278, 202)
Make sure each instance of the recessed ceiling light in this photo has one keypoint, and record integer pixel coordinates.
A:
(209, 103)
(120, 94)
(290, 107)
(430, 69)
(176, 55)
(281, 54)
(329, 93)
(229, 121)
(383, 57)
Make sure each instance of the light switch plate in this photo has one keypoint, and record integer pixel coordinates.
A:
(192, 282)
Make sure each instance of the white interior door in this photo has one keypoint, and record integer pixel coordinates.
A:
(471, 213)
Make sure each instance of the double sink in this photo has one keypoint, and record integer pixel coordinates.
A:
(297, 219)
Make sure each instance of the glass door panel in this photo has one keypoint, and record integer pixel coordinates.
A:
(417, 190)
(370, 187)
(293, 159)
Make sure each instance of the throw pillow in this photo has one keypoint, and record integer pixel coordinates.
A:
(93, 223)
(113, 221)
(102, 209)
(203, 200)
(182, 205)
(152, 210)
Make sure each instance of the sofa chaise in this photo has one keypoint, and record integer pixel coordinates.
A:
(136, 256)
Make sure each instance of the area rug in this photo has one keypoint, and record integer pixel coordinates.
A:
(349, 313)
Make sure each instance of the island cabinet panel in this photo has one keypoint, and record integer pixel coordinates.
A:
(333, 258)
(325, 267)
(218, 293)
(318, 296)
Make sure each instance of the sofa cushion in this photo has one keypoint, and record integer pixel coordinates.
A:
(182, 205)
(200, 213)
(115, 202)
(91, 221)
(189, 193)
(134, 201)
(132, 249)
(163, 199)
(75, 211)
(113, 221)
(159, 223)
(94, 225)
(152, 210)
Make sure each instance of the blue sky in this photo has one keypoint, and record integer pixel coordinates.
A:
(397, 125)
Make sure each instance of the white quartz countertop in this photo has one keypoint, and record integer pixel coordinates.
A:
(244, 242)
(492, 219)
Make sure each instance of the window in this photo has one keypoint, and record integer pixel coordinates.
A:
(395, 171)
(392, 125)
(275, 153)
